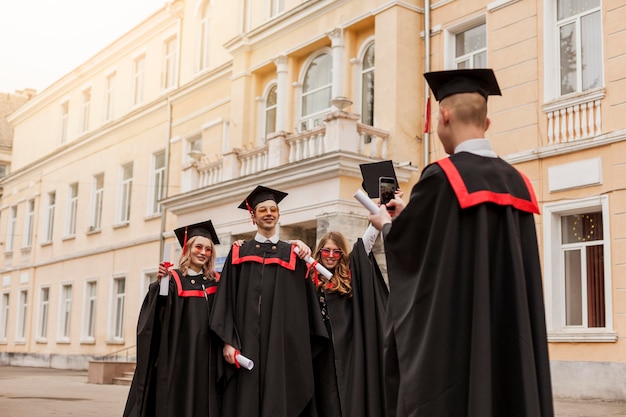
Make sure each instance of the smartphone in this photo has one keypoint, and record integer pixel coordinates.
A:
(387, 189)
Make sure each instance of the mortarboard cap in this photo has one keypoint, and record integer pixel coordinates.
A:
(446, 83)
(372, 172)
(260, 194)
(206, 229)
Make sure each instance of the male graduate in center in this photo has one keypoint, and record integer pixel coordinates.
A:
(267, 310)
(465, 334)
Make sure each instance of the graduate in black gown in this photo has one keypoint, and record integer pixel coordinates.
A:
(350, 372)
(266, 309)
(178, 356)
(465, 332)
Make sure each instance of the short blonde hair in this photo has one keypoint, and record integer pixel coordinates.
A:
(469, 108)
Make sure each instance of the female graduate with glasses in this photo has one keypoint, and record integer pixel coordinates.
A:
(177, 354)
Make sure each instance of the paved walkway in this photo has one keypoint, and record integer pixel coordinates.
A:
(30, 392)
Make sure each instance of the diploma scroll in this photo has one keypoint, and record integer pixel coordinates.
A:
(164, 285)
(319, 267)
(366, 201)
(245, 363)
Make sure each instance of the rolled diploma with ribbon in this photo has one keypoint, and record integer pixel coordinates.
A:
(319, 267)
(366, 201)
(244, 362)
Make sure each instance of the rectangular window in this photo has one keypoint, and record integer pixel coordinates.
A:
(170, 52)
(119, 298)
(109, 97)
(50, 216)
(65, 312)
(72, 210)
(89, 314)
(11, 229)
(4, 316)
(203, 61)
(158, 179)
(138, 76)
(577, 273)
(471, 48)
(84, 121)
(97, 194)
(29, 224)
(44, 304)
(580, 45)
(276, 7)
(4, 169)
(64, 122)
(126, 185)
(22, 312)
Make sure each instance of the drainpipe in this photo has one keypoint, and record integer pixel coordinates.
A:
(167, 175)
(426, 143)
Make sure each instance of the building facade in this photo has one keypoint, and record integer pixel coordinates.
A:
(177, 120)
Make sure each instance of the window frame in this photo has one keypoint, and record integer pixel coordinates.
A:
(5, 309)
(64, 121)
(97, 199)
(72, 210)
(116, 319)
(90, 311)
(312, 120)
(11, 228)
(125, 194)
(139, 67)
(64, 323)
(169, 70)
(109, 96)
(554, 278)
(29, 224)
(22, 315)
(43, 315)
(85, 110)
(49, 223)
(157, 190)
(450, 40)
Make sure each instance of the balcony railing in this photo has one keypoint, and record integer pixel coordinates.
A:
(209, 172)
(253, 161)
(575, 118)
(306, 144)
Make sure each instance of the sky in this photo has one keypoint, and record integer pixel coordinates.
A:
(42, 40)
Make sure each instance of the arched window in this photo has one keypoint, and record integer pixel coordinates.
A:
(316, 91)
(367, 87)
(270, 111)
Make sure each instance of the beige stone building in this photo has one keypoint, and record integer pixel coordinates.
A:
(177, 120)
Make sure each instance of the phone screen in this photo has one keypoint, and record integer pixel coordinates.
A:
(387, 189)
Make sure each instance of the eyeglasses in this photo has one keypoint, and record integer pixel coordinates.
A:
(265, 210)
(335, 253)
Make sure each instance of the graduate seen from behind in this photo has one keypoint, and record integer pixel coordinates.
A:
(177, 354)
(266, 309)
(465, 333)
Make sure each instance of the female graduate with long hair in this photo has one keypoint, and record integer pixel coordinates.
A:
(177, 354)
(349, 372)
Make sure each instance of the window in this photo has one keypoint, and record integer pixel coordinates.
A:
(138, 75)
(367, 89)
(471, 48)
(97, 193)
(11, 228)
(203, 41)
(276, 7)
(44, 304)
(316, 91)
(579, 286)
(169, 63)
(89, 311)
(72, 210)
(4, 169)
(109, 97)
(22, 311)
(148, 278)
(65, 312)
(271, 101)
(126, 184)
(158, 182)
(64, 122)
(86, 111)
(119, 297)
(4, 316)
(578, 24)
(29, 224)
(50, 216)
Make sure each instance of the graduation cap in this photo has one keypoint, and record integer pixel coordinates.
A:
(372, 172)
(260, 194)
(206, 229)
(446, 83)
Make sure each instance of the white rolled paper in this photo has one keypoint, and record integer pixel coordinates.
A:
(164, 285)
(366, 201)
(319, 267)
(244, 362)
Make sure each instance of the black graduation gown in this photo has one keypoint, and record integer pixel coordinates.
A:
(267, 308)
(355, 359)
(178, 356)
(465, 331)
